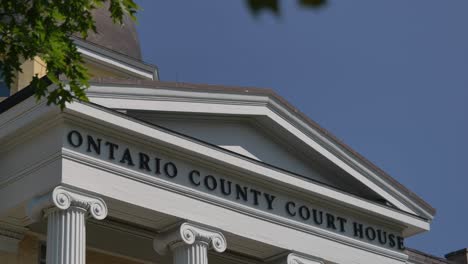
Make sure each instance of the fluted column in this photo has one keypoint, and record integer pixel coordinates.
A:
(190, 243)
(195, 253)
(66, 211)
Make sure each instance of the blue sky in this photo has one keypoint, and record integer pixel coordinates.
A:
(387, 77)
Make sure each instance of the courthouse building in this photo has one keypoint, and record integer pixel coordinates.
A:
(158, 172)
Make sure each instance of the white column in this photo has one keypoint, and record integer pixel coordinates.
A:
(66, 223)
(190, 243)
(296, 258)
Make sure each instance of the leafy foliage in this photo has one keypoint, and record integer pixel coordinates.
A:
(30, 28)
(273, 5)
(43, 28)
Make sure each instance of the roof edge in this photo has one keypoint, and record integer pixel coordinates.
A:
(29, 90)
(271, 93)
(120, 57)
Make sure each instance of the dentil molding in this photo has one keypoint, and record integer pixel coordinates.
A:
(188, 233)
(62, 198)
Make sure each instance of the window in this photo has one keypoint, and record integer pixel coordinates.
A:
(42, 253)
(4, 91)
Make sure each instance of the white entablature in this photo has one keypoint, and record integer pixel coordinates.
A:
(127, 179)
(258, 124)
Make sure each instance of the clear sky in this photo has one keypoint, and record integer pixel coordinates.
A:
(387, 77)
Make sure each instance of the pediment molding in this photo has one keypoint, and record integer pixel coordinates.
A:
(258, 104)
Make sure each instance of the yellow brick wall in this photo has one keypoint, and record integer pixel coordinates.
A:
(29, 69)
(37, 66)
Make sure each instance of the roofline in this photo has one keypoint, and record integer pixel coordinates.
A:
(266, 164)
(457, 252)
(269, 92)
(197, 141)
(120, 57)
(28, 91)
(18, 97)
(424, 254)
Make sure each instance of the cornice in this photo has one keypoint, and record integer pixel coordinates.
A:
(232, 206)
(13, 232)
(345, 155)
(281, 108)
(80, 107)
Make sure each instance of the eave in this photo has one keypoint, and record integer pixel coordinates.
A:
(113, 120)
(254, 102)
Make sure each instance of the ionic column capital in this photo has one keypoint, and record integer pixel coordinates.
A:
(295, 258)
(63, 198)
(188, 233)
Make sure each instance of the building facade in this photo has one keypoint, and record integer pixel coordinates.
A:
(159, 172)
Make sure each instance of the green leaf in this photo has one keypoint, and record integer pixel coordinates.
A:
(256, 6)
(43, 28)
(313, 3)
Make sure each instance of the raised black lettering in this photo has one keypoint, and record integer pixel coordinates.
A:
(370, 233)
(391, 240)
(210, 182)
(75, 139)
(170, 170)
(225, 190)
(144, 160)
(331, 221)
(255, 195)
(289, 207)
(401, 243)
(304, 212)
(358, 230)
(92, 144)
(127, 158)
(112, 148)
(192, 176)
(241, 192)
(157, 166)
(382, 236)
(342, 222)
(269, 198)
(318, 216)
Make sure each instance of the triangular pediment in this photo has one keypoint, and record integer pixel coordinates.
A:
(141, 141)
(253, 139)
(258, 124)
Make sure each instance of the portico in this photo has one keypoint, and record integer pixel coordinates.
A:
(156, 195)
(161, 173)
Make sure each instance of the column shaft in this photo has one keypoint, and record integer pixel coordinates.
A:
(66, 236)
(196, 253)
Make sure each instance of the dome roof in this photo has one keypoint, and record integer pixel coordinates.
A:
(119, 38)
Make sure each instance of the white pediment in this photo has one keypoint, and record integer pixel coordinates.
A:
(250, 138)
(152, 167)
(257, 124)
